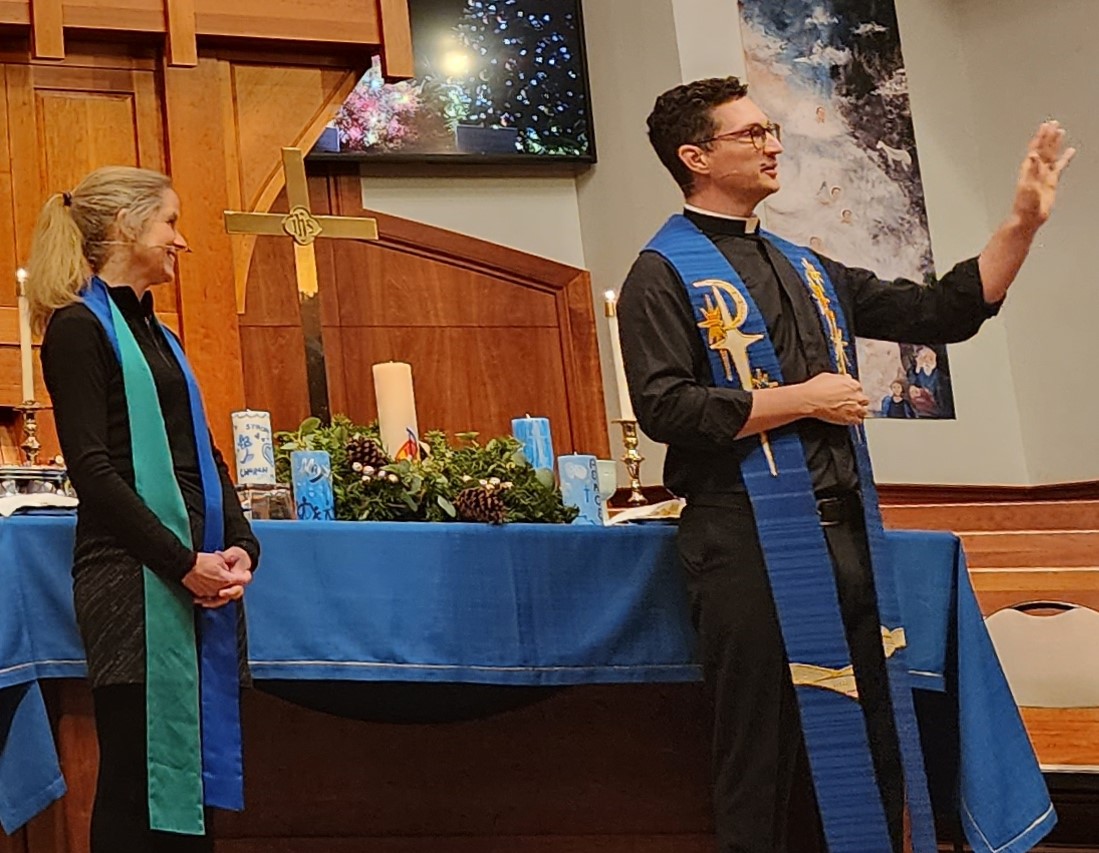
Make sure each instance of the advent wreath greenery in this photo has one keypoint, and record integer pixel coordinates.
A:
(460, 481)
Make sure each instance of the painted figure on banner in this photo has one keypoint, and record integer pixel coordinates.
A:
(833, 76)
(924, 373)
(897, 404)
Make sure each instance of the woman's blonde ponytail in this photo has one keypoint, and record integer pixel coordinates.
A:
(58, 267)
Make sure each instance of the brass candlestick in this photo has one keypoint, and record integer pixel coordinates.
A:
(30, 445)
(632, 460)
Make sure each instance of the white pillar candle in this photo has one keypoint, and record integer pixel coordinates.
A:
(397, 409)
(610, 308)
(26, 361)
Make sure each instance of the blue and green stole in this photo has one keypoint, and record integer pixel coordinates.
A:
(796, 553)
(192, 688)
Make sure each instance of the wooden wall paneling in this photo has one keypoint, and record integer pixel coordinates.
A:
(694, 843)
(522, 288)
(272, 346)
(47, 29)
(28, 191)
(382, 286)
(16, 843)
(331, 309)
(130, 16)
(586, 761)
(906, 493)
(466, 378)
(46, 832)
(277, 106)
(1006, 515)
(583, 373)
(70, 703)
(274, 107)
(208, 314)
(8, 249)
(87, 52)
(242, 245)
(63, 121)
(346, 22)
(339, 396)
(481, 324)
(274, 373)
(11, 390)
(335, 24)
(397, 62)
(182, 43)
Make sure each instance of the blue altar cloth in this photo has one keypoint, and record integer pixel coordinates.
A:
(514, 605)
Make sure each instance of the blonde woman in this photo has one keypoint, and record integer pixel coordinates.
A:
(163, 552)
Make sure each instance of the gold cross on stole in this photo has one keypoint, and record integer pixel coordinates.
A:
(731, 343)
(835, 333)
(304, 228)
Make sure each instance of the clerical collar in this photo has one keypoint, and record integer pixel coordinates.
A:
(720, 223)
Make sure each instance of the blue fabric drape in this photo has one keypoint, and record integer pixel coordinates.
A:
(524, 605)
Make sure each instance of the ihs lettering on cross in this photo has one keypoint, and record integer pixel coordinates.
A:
(835, 333)
(301, 225)
(726, 338)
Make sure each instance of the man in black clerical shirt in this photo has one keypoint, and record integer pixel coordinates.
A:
(723, 151)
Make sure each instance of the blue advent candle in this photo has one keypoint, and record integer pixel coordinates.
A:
(579, 475)
(312, 478)
(534, 435)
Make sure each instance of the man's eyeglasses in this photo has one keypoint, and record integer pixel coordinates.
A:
(757, 133)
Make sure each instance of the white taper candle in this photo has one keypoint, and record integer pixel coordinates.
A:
(610, 308)
(26, 360)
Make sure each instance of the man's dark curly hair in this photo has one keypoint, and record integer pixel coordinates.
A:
(683, 116)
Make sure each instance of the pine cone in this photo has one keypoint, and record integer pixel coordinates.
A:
(479, 504)
(366, 453)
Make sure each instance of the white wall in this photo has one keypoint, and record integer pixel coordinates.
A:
(1026, 63)
(538, 215)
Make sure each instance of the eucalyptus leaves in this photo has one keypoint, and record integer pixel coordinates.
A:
(428, 489)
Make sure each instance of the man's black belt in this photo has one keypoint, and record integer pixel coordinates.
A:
(834, 508)
(839, 508)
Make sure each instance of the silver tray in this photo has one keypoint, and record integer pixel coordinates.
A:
(34, 479)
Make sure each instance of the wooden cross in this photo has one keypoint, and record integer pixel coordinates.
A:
(304, 228)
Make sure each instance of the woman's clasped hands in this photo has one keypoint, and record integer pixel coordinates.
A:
(219, 577)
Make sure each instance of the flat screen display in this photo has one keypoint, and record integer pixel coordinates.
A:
(496, 81)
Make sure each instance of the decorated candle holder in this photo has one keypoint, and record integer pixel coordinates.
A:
(265, 502)
(29, 477)
(30, 444)
(632, 459)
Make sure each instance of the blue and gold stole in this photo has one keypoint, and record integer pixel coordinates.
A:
(192, 688)
(798, 562)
